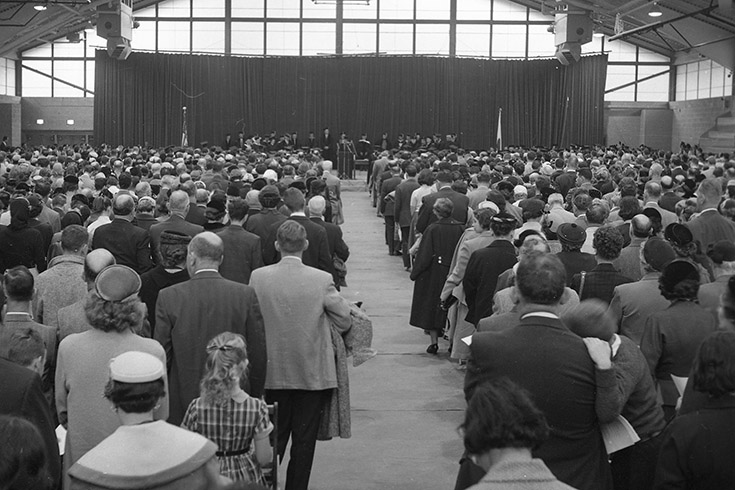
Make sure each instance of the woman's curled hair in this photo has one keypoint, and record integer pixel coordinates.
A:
(113, 316)
(714, 365)
(226, 363)
(500, 414)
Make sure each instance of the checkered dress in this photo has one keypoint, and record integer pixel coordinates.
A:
(232, 426)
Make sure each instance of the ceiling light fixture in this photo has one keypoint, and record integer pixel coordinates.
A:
(655, 10)
(40, 6)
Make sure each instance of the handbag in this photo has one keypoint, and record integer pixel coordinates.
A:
(341, 270)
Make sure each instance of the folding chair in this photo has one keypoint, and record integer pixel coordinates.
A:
(270, 472)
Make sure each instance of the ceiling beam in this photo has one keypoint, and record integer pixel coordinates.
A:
(49, 28)
(649, 27)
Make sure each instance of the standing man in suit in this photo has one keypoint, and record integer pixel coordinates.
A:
(178, 206)
(710, 226)
(629, 262)
(651, 195)
(194, 214)
(243, 253)
(130, 245)
(541, 355)
(328, 145)
(22, 396)
(317, 253)
(18, 287)
(568, 178)
(334, 184)
(387, 207)
(72, 318)
(478, 195)
(632, 303)
(262, 222)
(191, 313)
(402, 210)
(337, 245)
(444, 189)
(299, 303)
(62, 283)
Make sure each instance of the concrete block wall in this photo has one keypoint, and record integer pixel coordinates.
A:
(10, 119)
(637, 123)
(55, 113)
(693, 118)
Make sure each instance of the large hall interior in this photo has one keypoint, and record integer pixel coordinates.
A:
(301, 65)
(97, 95)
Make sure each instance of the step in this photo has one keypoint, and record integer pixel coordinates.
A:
(725, 121)
(722, 145)
(716, 149)
(724, 135)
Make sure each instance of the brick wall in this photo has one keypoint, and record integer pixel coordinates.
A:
(693, 118)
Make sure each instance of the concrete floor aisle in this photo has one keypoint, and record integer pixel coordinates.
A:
(406, 404)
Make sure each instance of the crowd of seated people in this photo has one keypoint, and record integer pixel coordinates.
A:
(592, 278)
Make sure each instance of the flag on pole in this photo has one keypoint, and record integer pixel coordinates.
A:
(499, 136)
(184, 131)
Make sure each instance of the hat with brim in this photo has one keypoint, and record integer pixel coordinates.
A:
(722, 251)
(657, 253)
(571, 233)
(677, 271)
(678, 234)
(136, 367)
(117, 283)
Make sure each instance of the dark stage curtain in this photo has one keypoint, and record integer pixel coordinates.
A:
(139, 100)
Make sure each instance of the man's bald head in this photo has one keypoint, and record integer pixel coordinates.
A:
(640, 226)
(206, 249)
(123, 205)
(94, 262)
(652, 190)
(178, 203)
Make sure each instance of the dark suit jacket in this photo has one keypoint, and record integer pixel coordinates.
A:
(335, 242)
(576, 262)
(173, 223)
(261, 223)
(599, 283)
(22, 396)
(145, 221)
(711, 227)
(565, 182)
(196, 215)
(50, 339)
(481, 277)
(696, 449)
(129, 244)
(190, 314)
(243, 253)
(544, 357)
(426, 213)
(152, 282)
(402, 210)
(316, 255)
(387, 206)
